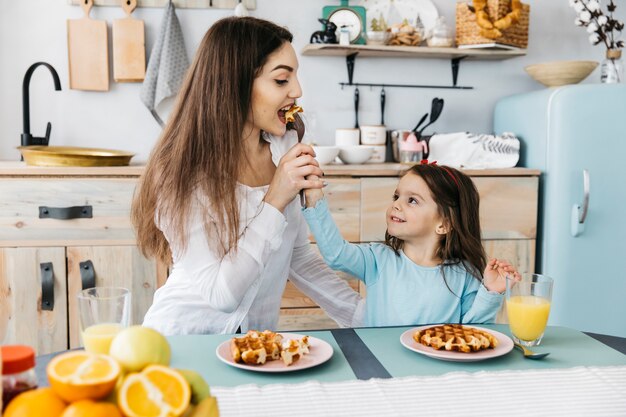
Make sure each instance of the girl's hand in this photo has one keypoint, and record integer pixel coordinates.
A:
(496, 272)
(313, 195)
(290, 176)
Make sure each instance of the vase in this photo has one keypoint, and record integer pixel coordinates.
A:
(612, 69)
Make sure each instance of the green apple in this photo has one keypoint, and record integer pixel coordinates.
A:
(199, 388)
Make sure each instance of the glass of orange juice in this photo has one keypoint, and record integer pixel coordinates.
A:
(102, 312)
(528, 307)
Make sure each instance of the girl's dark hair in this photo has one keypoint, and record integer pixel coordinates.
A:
(200, 149)
(458, 204)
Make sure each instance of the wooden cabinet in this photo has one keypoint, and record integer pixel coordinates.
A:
(31, 240)
(508, 217)
(97, 242)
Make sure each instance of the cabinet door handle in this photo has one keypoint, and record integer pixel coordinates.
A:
(65, 213)
(47, 286)
(87, 274)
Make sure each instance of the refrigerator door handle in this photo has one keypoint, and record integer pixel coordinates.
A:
(579, 214)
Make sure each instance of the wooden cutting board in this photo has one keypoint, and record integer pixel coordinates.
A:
(129, 49)
(88, 52)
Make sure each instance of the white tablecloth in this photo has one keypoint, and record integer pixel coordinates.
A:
(580, 391)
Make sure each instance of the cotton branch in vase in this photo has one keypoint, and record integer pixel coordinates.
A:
(601, 27)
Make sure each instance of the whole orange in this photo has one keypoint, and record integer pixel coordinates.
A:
(42, 402)
(88, 408)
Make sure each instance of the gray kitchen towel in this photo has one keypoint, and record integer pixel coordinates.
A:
(167, 65)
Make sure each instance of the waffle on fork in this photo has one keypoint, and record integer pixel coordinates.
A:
(456, 337)
(256, 348)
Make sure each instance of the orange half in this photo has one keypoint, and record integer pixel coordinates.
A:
(158, 391)
(82, 375)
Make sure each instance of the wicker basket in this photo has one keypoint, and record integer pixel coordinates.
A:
(468, 31)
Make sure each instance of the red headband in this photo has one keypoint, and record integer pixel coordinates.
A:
(425, 162)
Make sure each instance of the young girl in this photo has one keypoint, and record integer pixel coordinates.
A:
(217, 199)
(429, 268)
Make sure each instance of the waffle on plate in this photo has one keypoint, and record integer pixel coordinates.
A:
(256, 348)
(456, 337)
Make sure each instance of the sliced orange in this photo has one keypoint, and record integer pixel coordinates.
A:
(82, 375)
(158, 391)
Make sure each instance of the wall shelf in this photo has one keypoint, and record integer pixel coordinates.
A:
(385, 51)
(179, 4)
(455, 55)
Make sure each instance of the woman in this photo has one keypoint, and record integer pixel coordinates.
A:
(217, 198)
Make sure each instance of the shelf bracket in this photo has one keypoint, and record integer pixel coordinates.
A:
(456, 63)
(350, 60)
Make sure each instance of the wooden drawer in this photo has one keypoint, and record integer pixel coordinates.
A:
(508, 207)
(343, 196)
(109, 198)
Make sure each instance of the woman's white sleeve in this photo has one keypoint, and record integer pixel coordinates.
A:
(312, 276)
(223, 283)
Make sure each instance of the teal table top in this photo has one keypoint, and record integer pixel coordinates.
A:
(198, 353)
(567, 347)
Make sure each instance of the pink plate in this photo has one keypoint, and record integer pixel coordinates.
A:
(319, 352)
(504, 347)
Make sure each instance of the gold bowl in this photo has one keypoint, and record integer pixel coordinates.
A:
(70, 156)
(557, 73)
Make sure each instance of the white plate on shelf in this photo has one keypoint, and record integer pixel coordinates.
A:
(319, 352)
(397, 10)
(505, 345)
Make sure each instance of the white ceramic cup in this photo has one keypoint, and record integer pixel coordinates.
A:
(347, 137)
(373, 135)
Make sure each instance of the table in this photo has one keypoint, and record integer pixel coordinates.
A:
(372, 369)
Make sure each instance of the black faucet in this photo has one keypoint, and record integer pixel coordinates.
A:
(27, 138)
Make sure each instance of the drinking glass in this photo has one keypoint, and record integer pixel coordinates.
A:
(528, 307)
(102, 312)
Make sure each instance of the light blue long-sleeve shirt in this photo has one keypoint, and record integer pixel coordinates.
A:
(400, 292)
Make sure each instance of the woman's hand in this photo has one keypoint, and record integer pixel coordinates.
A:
(496, 272)
(290, 176)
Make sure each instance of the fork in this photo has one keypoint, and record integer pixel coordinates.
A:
(298, 126)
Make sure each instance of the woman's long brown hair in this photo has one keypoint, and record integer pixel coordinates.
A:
(201, 150)
(458, 204)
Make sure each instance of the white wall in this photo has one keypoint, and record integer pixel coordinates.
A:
(35, 30)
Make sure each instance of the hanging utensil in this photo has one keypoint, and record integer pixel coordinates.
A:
(88, 52)
(356, 107)
(382, 106)
(437, 107)
(129, 47)
(417, 126)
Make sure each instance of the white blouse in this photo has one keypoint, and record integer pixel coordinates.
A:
(207, 294)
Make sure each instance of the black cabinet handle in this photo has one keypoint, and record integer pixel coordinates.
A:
(87, 274)
(65, 213)
(47, 286)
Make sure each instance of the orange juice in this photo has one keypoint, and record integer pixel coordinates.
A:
(98, 338)
(528, 316)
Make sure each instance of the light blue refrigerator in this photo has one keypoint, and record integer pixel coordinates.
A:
(576, 135)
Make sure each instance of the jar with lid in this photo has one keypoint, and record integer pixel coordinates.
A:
(18, 371)
(411, 150)
(440, 35)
